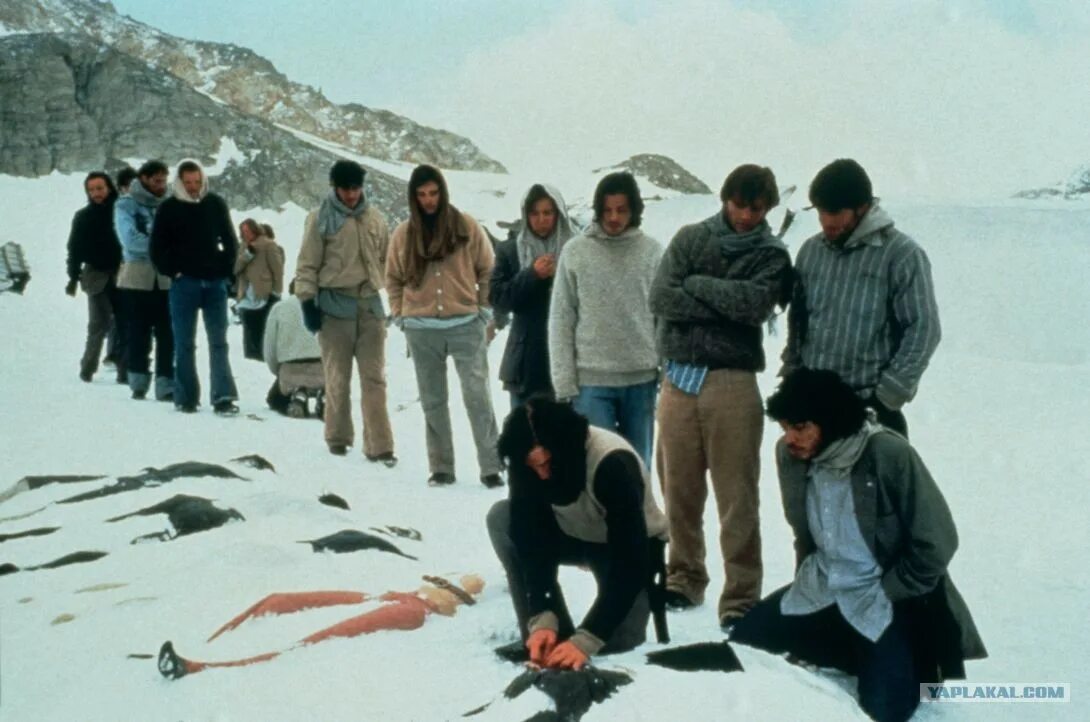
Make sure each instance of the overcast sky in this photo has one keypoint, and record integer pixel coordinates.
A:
(937, 98)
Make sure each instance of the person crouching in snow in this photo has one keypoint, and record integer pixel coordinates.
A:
(579, 495)
(873, 539)
(293, 355)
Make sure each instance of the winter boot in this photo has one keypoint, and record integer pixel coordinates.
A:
(164, 388)
(226, 407)
(389, 459)
(297, 407)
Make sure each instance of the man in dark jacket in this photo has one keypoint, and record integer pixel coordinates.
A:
(718, 283)
(522, 281)
(94, 255)
(873, 540)
(579, 495)
(193, 242)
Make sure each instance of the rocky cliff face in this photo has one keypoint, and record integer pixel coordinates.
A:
(243, 80)
(71, 104)
(664, 172)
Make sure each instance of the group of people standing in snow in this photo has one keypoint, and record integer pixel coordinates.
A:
(608, 334)
(611, 334)
(150, 258)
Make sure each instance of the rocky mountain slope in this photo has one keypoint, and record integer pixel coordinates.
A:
(72, 104)
(247, 82)
(1075, 187)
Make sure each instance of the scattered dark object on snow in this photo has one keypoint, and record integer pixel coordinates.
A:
(351, 540)
(187, 514)
(700, 657)
(29, 483)
(170, 664)
(403, 532)
(29, 532)
(334, 500)
(153, 477)
(73, 558)
(573, 691)
(514, 652)
(37, 482)
(138, 655)
(256, 461)
(14, 271)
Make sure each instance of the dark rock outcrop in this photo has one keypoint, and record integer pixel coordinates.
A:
(664, 172)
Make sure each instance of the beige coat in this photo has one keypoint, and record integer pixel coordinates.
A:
(141, 276)
(351, 261)
(263, 269)
(455, 286)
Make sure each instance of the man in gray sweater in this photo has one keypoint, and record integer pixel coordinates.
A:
(716, 286)
(864, 305)
(601, 331)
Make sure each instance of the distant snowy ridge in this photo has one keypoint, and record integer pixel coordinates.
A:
(1076, 187)
(247, 82)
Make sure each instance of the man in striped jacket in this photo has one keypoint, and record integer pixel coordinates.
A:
(864, 303)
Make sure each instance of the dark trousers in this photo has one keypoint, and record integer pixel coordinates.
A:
(253, 329)
(148, 313)
(632, 630)
(105, 318)
(888, 681)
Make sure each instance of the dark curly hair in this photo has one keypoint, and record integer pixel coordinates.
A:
(820, 397)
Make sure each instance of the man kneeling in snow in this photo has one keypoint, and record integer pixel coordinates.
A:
(578, 495)
(873, 538)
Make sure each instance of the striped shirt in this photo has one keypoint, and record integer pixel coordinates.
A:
(687, 378)
(866, 311)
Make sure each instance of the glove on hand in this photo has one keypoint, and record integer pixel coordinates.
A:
(312, 316)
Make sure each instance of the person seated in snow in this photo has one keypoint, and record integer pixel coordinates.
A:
(522, 282)
(873, 540)
(579, 495)
(399, 610)
(293, 355)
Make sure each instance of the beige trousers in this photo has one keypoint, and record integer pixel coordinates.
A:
(717, 431)
(363, 339)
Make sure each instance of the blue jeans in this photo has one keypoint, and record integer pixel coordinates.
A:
(627, 410)
(187, 297)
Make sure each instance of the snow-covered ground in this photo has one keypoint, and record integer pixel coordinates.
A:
(1000, 420)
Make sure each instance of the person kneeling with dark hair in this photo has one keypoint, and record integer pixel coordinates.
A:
(873, 538)
(579, 495)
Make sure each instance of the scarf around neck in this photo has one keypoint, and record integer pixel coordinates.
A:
(530, 246)
(842, 454)
(333, 213)
(143, 196)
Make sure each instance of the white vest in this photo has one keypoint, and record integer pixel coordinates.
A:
(585, 518)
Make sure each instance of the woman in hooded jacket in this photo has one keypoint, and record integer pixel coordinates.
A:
(259, 271)
(522, 282)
